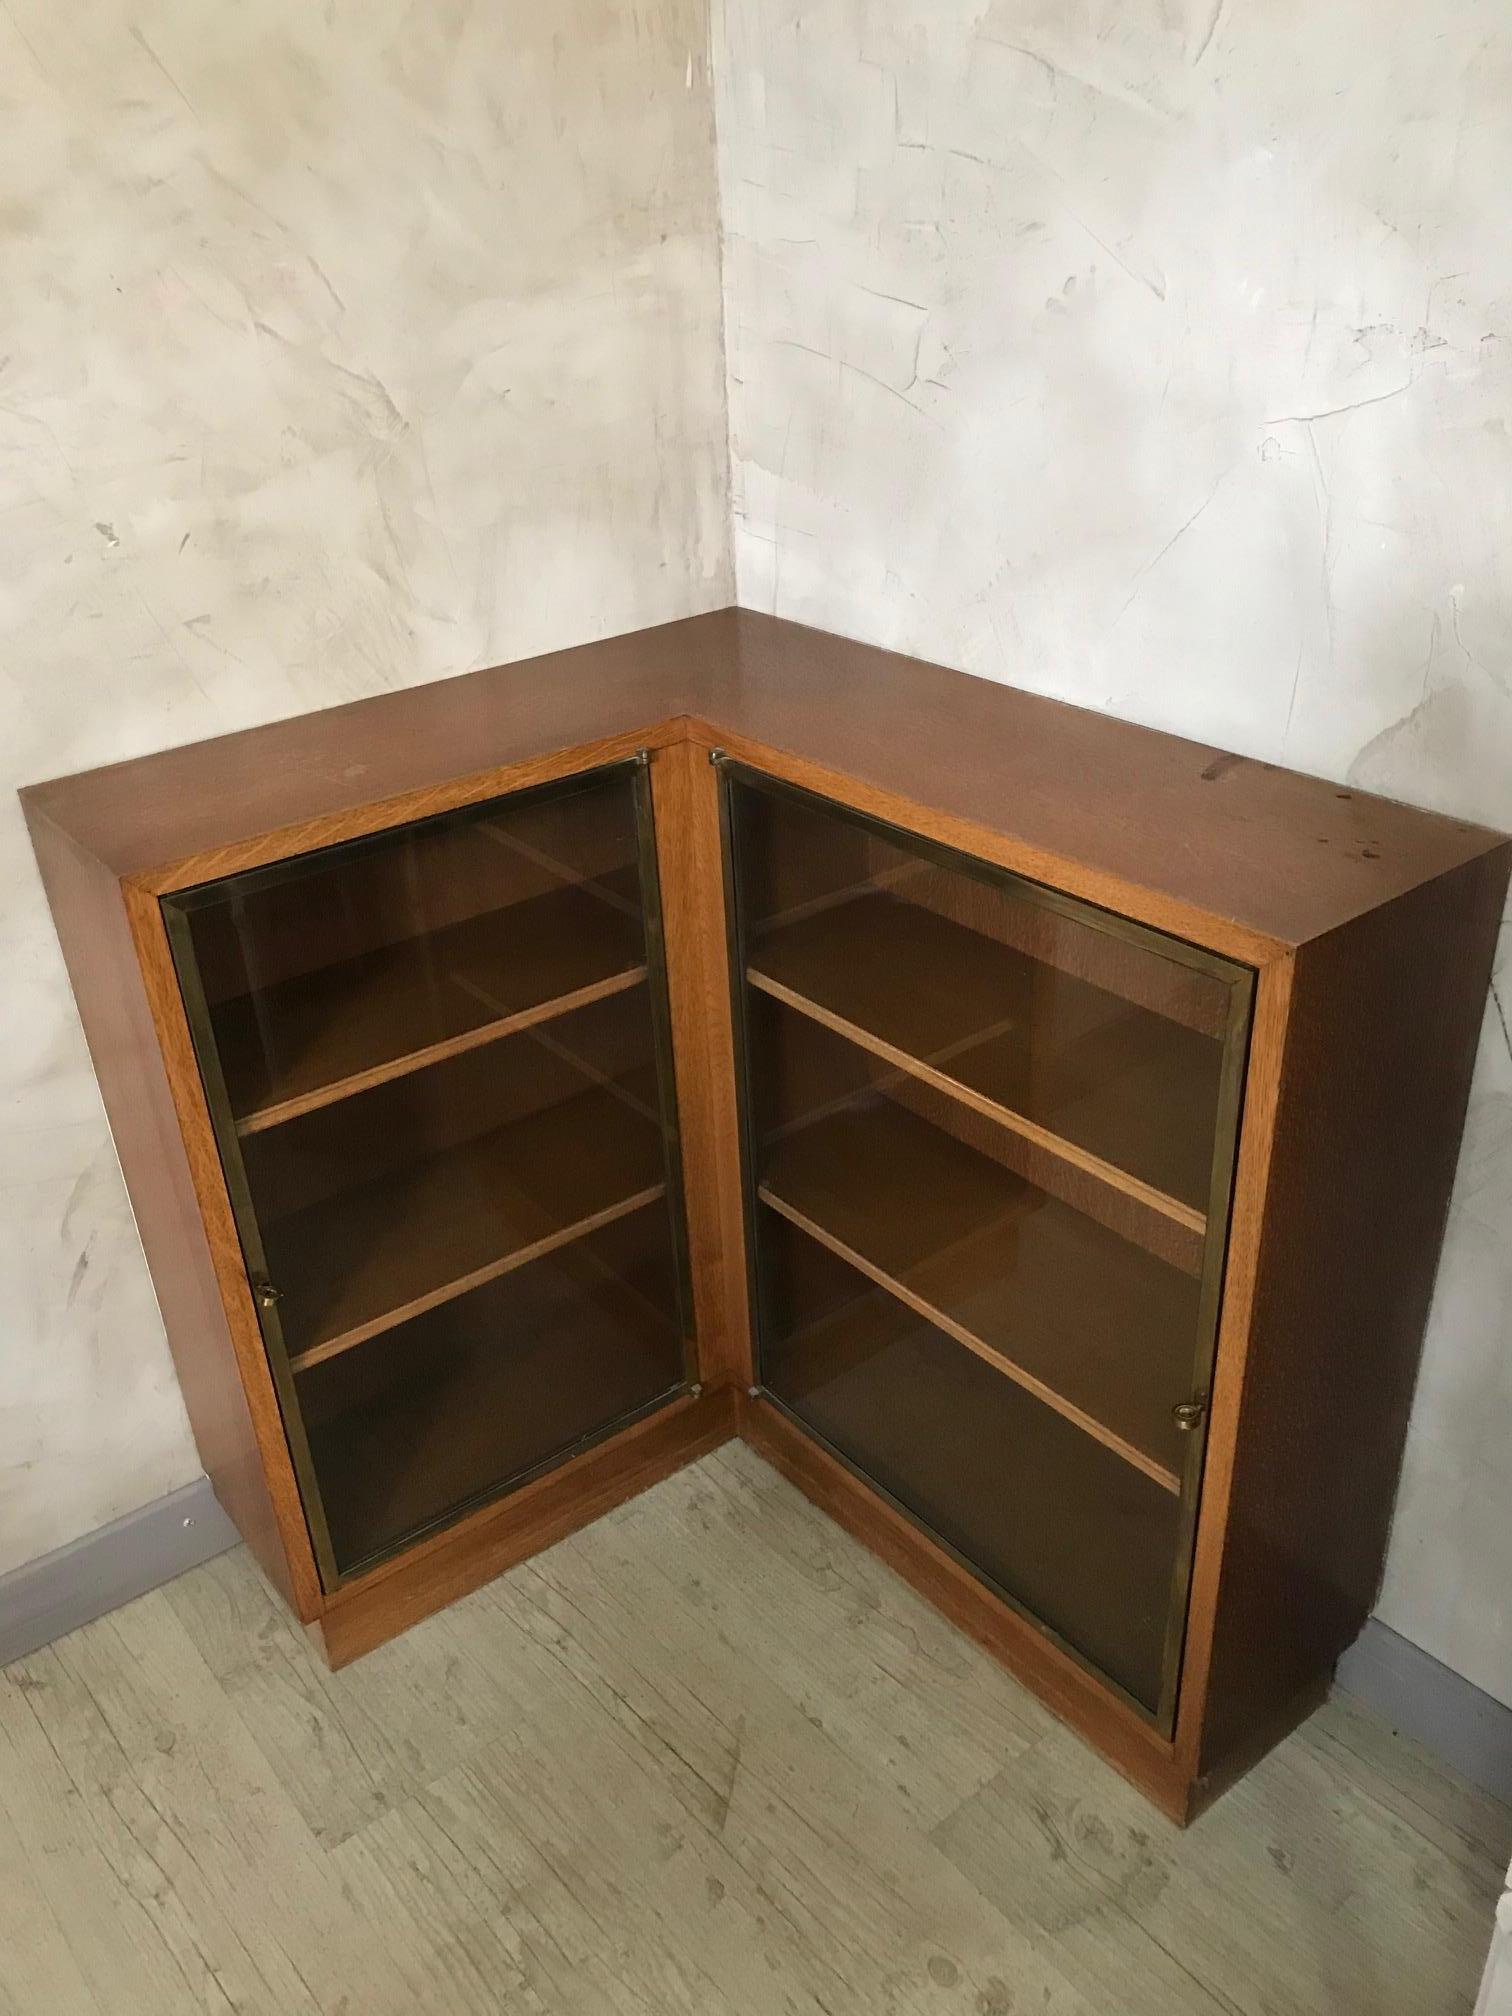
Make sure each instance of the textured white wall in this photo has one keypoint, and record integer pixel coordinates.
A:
(1157, 354)
(342, 347)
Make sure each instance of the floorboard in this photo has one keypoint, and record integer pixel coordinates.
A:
(706, 1757)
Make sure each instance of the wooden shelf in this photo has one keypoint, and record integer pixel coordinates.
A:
(1122, 1094)
(372, 1258)
(322, 1036)
(617, 887)
(474, 1395)
(1094, 1327)
(876, 881)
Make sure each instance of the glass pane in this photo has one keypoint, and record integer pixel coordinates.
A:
(1062, 1525)
(1091, 1037)
(398, 1198)
(433, 1063)
(365, 964)
(997, 1124)
(435, 1414)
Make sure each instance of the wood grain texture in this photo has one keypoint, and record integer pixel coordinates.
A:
(327, 829)
(1192, 840)
(127, 1000)
(1260, 1907)
(1076, 1070)
(262, 793)
(1384, 1021)
(1257, 1138)
(365, 1021)
(1207, 845)
(371, 1258)
(1084, 1321)
(1115, 1206)
(366, 1611)
(691, 872)
(708, 1758)
(1094, 1167)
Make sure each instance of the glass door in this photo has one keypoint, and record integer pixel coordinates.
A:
(990, 1137)
(436, 1061)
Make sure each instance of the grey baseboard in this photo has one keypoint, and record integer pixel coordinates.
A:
(1430, 1702)
(121, 1561)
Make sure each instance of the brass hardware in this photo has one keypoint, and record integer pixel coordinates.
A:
(267, 1295)
(695, 1391)
(643, 758)
(718, 756)
(1187, 1414)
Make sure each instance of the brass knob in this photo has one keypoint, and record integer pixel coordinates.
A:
(267, 1295)
(1187, 1414)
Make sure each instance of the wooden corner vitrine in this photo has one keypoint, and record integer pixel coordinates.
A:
(1032, 1132)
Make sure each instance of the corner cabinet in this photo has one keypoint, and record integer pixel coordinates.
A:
(1031, 1132)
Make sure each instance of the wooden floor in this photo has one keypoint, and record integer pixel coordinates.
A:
(706, 1757)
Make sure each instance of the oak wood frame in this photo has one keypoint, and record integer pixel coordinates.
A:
(1329, 896)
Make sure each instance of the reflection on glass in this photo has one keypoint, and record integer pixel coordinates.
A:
(988, 1133)
(491, 1385)
(1079, 1537)
(433, 1063)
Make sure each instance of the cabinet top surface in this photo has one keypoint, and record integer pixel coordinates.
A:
(1086, 799)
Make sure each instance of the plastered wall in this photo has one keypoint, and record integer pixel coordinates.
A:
(1157, 354)
(342, 346)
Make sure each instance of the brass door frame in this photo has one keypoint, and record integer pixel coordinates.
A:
(177, 907)
(1240, 981)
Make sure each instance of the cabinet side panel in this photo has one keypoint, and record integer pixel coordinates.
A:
(1385, 1018)
(95, 934)
(691, 873)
